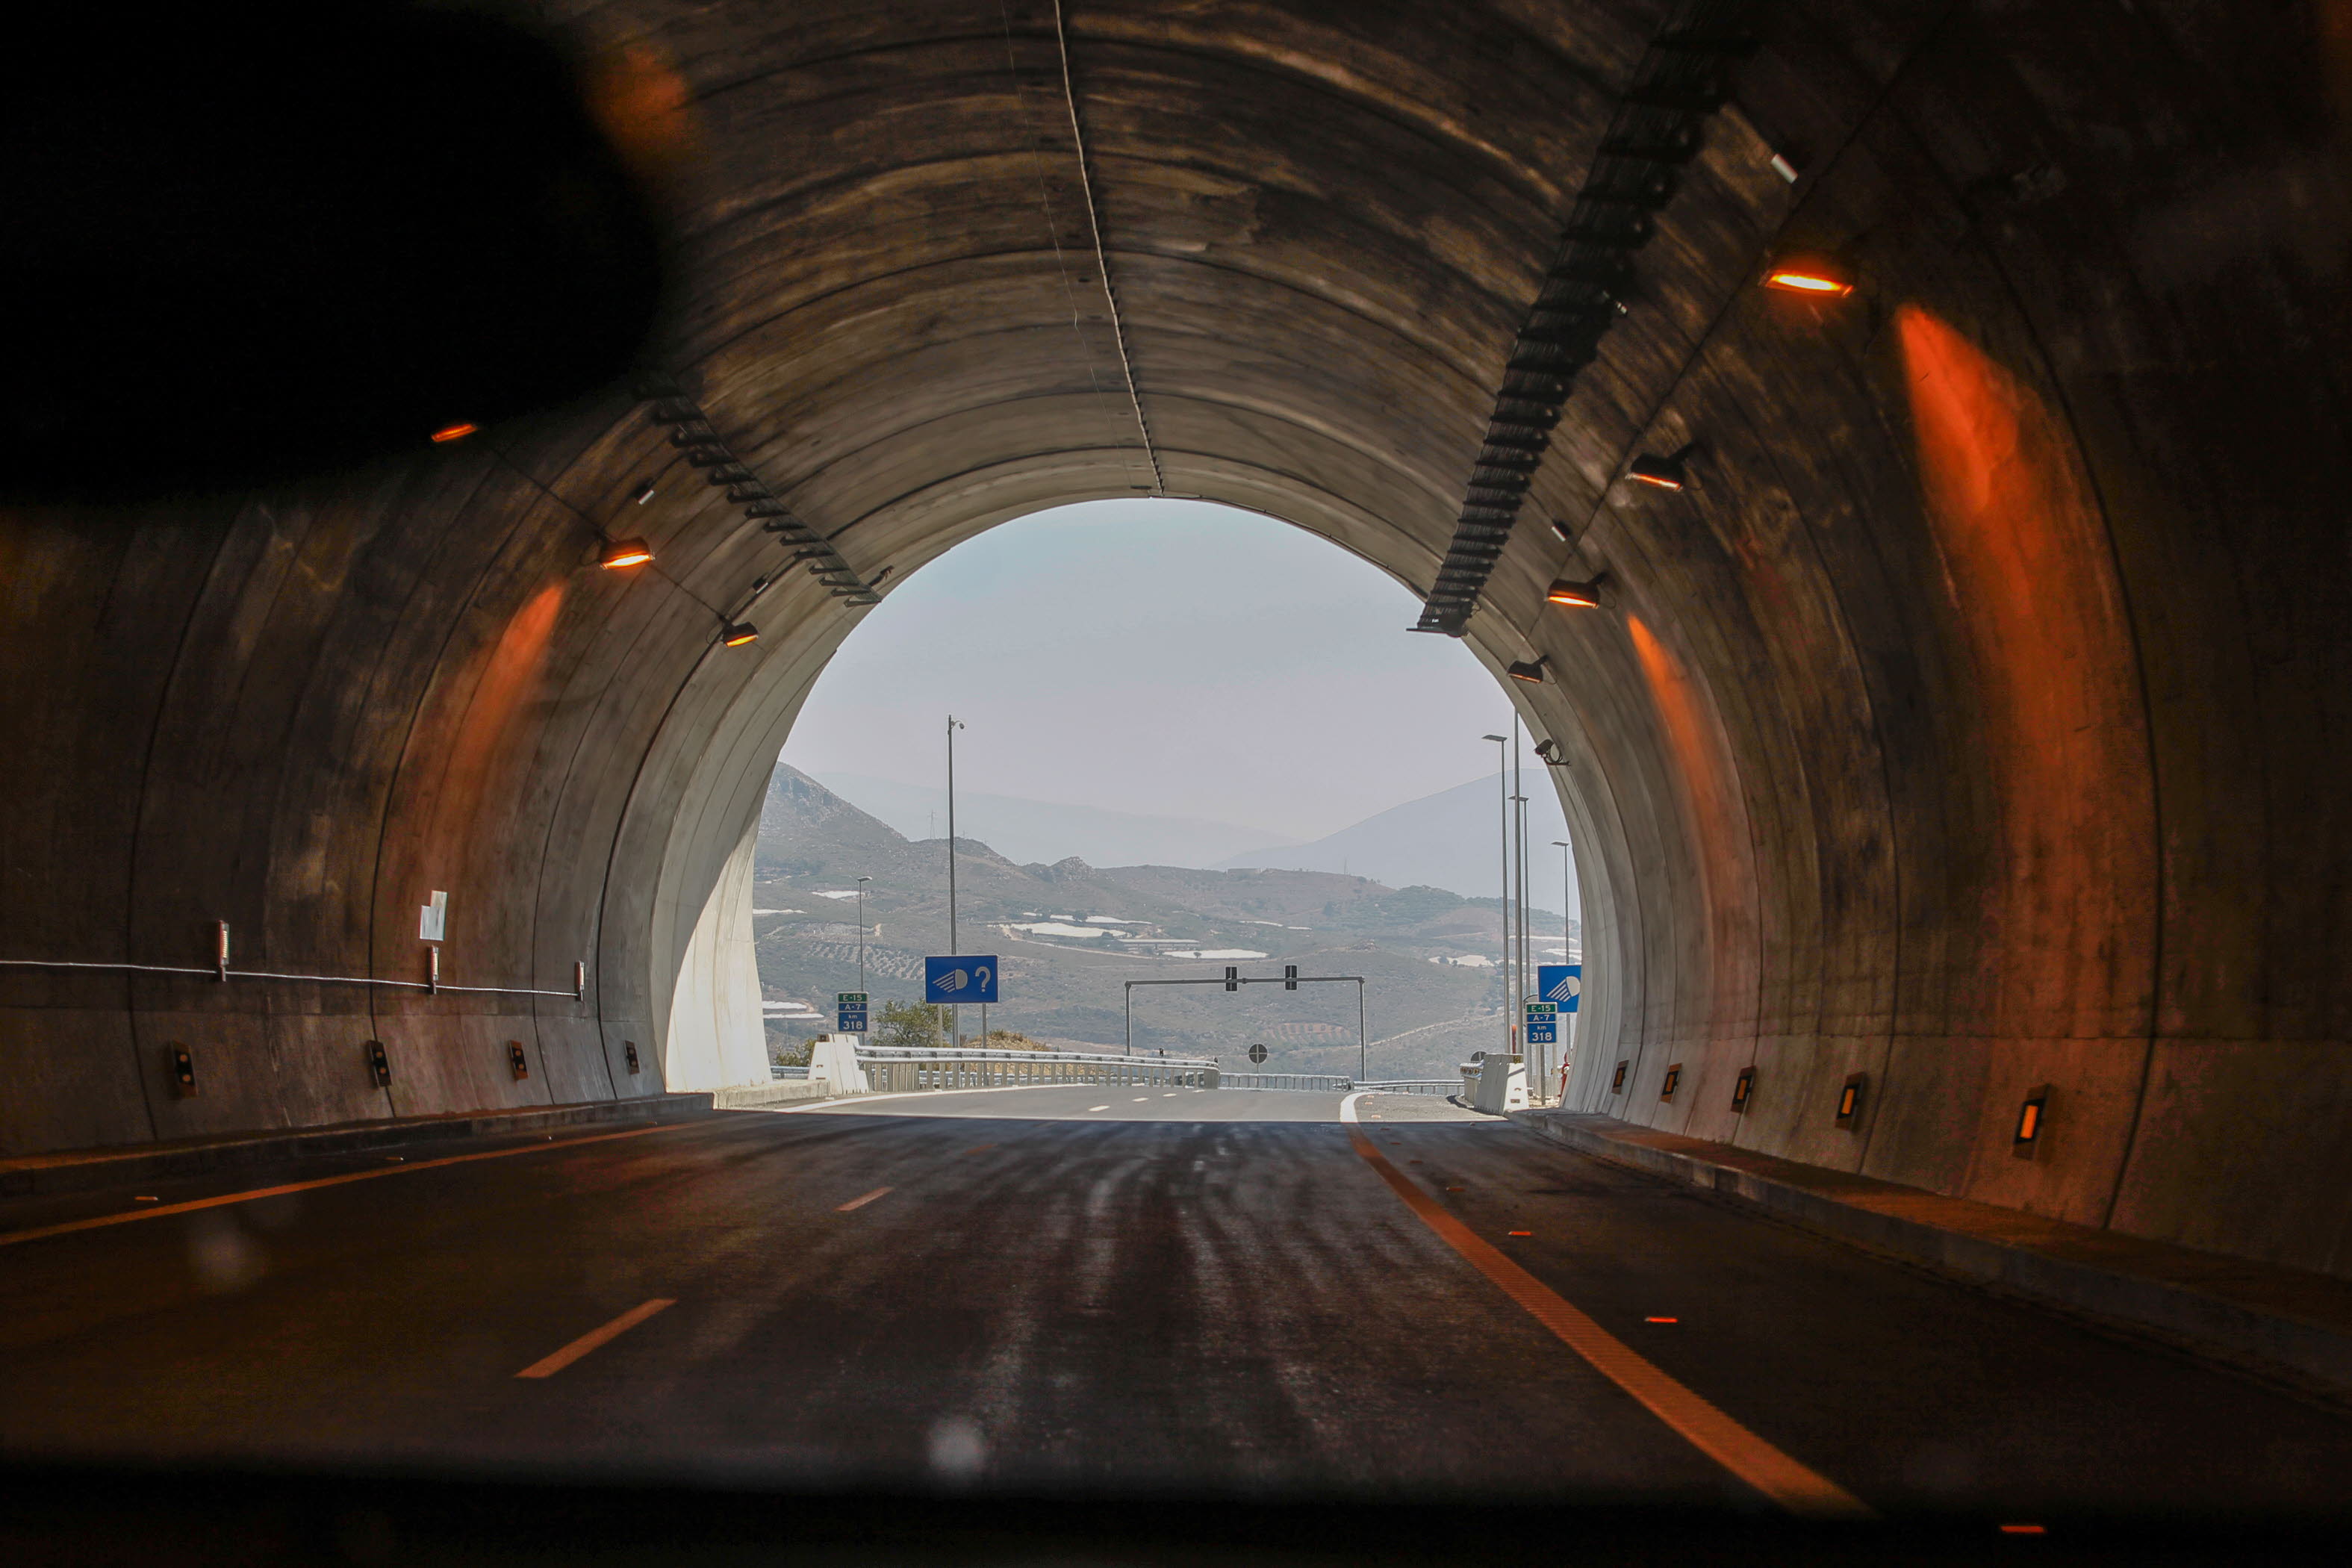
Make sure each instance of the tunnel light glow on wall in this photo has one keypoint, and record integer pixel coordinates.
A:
(449, 433)
(1529, 671)
(625, 552)
(740, 632)
(1665, 473)
(2030, 1118)
(1811, 273)
(1566, 591)
(1742, 1088)
(1849, 1104)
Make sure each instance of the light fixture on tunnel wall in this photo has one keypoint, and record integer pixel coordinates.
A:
(1549, 752)
(740, 634)
(646, 492)
(2030, 1118)
(1742, 1088)
(1672, 1081)
(458, 432)
(1814, 272)
(1529, 671)
(1849, 1102)
(1567, 591)
(1617, 1082)
(1671, 472)
(625, 552)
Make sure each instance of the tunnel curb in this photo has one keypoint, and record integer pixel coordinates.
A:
(85, 1170)
(2306, 1348)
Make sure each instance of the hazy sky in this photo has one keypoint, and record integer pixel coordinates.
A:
(1169, 658)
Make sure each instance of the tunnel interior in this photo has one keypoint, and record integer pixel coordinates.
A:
(1967, 726)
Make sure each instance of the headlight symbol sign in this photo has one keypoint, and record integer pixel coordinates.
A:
(968, 977)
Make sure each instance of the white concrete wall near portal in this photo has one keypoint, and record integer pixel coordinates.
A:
(716, 1039)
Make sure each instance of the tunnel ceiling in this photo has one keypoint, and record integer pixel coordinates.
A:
(1970, 724)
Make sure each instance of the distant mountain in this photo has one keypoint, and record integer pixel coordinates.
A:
(1451, 839)
(1047, 831)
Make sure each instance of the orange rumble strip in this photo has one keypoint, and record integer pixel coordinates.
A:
(10, 1238)
(1794, 1486)
(549, 1366)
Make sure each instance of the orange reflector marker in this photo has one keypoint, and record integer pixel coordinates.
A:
(1454, 1189)
(453, 433)
(1523, 1233)
(2023, 1529)
(1662, 1320)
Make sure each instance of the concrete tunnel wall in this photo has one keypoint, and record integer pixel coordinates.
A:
(1975, 721)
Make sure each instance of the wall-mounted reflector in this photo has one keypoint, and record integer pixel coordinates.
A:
(449, 433)
(1811, 273)
(1741, 1087)
(1849, 1102)
(379, 1065)
(629, 1050)
(1565, 591)
(625, 552)
(740, 632)
(1529, 671)
(2030, 1118)
(1617, 1083)
(184, 1071)
(1674, 1079)
(516, 1062)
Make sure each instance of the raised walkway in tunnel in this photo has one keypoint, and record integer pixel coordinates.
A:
(1116, 1290)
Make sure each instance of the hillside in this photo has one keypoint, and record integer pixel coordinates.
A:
(1450, 840)
(1070, 934)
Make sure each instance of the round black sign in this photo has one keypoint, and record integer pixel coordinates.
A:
(1257, 1054)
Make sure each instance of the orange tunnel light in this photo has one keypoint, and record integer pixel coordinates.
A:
(449, 433)
(625, 552)
(1584, 595)
(740, 632)
(1811, 273)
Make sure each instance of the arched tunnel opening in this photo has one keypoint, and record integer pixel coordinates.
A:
(1891, 456)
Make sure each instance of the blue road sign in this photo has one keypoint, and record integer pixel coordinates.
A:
(849, 1020)
(1543, 1023)
(968, 978)
(1561, 983)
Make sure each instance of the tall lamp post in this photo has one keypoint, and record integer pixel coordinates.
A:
(1503, 789)
(861, 933)
(1570, 952)
(955, 1012)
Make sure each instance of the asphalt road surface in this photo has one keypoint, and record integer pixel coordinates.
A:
(1112, 1289)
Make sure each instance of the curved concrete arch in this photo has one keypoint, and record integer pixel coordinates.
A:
(1974, 722)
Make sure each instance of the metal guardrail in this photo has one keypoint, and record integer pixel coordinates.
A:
(891, 1069)
(1310, 1083)
(1410, 1086)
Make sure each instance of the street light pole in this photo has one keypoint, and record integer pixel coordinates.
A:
(955, 1012)
(1567, 946)
(1503, 789)
(861, 933)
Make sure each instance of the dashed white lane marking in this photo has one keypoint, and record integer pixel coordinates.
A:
(549, 1366)
(861, 1202)
(1142, 1099)
(1794, 1486)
